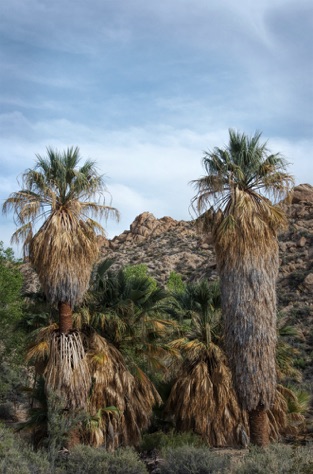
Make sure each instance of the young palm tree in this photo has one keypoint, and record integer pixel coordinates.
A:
(240, 180)
(124, 325)
(203, 398)
(57, 195)
(131, 312)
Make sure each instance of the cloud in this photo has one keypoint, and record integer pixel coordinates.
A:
(144, 87)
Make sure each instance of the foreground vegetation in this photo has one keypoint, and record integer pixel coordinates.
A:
(175, 456)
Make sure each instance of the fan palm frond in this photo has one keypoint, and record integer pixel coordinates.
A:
(113, 385)
(286, 417)
(203, 399)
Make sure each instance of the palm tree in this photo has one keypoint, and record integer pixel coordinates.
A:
(203, 398)
(124, 324)
(240, 181)
(132, 312)
(57, 196)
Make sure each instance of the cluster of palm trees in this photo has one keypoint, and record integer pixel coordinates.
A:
(107, 356)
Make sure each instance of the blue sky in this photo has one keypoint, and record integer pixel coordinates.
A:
(145, 87)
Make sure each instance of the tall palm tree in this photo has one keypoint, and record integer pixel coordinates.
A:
(58, 197)
(240, 180)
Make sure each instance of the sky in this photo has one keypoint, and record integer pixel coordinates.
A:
(144, 88)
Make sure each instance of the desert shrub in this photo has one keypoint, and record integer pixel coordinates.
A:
(17, 457)
(88, 460)
(175, 283)
(278, 459)
(160, 440)
(193, 460)
(140, 271)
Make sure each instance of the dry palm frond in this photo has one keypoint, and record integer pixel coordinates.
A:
(203, 399)
(113, 385)
(62, 253)
(39, 347)
(286, 417)
(67, 372)
(38, 351)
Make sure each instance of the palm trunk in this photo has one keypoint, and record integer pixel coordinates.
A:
(259, 427)
(65, 317)
(248, 272)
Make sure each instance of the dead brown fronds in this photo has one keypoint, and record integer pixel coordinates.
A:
(132, 396)
(203, 399)
(67, 371)
(286, 417)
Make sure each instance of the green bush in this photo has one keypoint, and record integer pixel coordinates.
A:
(175, 283)
(277, 459)
(160, 440)
(17, 457)
(193, 460)
(88, 460)
(12, 374)
(140, 271)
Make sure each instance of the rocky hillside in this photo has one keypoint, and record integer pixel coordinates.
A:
(166, 245)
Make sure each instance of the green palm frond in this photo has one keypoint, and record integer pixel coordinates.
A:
(245, 165)
(286, 352)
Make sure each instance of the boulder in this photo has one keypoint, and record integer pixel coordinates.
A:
(302, 193)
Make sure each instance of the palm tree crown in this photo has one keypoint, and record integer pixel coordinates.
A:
(59, 195)
(240, 181)
(244, 164)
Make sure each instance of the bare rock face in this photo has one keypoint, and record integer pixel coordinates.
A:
(308, 283)
(302, 193)
(144, 226)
